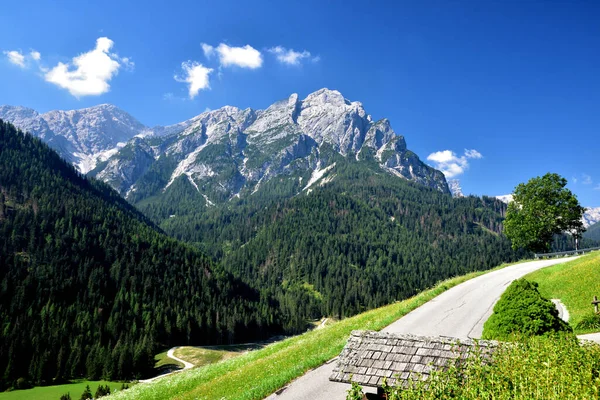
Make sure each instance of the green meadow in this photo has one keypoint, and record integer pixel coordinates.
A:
(54, 392)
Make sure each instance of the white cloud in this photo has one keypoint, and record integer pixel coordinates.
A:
(16, 57)
(196, 76)
(126, 62)
(244, 57)
(574, 179)
(442, 156)
(21, 60)
(587, 180)
(207, 49)
(473, 154)
(88, 74)
(290, 56)
(450, 164)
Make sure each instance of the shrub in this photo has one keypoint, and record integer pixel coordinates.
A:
(355, 392)
(524, 312)
(23, 383)
(66, 396)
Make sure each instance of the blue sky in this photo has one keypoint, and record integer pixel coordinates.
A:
(517, 81)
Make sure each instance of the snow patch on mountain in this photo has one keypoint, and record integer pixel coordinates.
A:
(317, 174)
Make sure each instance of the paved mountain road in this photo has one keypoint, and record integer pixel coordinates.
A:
(459, 312)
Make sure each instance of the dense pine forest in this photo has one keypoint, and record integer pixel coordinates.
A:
(90, 288)
(363, 240)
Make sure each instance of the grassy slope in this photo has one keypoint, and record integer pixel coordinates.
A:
(257, 374)
(202, 356)
(575, 283)
(54, 392)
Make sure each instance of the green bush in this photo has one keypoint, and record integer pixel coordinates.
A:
(355, 392)
(524, 312)
(23, 383)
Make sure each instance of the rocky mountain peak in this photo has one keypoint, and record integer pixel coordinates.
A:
(591, 216)
(81, 136)
(455, 188)
(17, 112)
(293, 99)
(326, 96)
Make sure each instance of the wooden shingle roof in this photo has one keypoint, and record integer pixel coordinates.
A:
(369, 356)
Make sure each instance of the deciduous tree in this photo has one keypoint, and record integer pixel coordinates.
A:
(541, 208)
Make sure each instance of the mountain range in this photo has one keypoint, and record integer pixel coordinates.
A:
(229, 152)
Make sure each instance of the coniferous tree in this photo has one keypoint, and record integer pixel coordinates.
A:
(87, 393)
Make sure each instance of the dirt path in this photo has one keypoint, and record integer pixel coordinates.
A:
(170, 354)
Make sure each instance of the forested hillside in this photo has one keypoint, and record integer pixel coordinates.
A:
(89, 287)
(360, 241)
(593, 232)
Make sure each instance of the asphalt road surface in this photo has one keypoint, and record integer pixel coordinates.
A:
(459, 312)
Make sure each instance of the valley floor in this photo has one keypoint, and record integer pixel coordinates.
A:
(75, 389)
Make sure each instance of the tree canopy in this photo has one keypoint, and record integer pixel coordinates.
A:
(541, 208)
